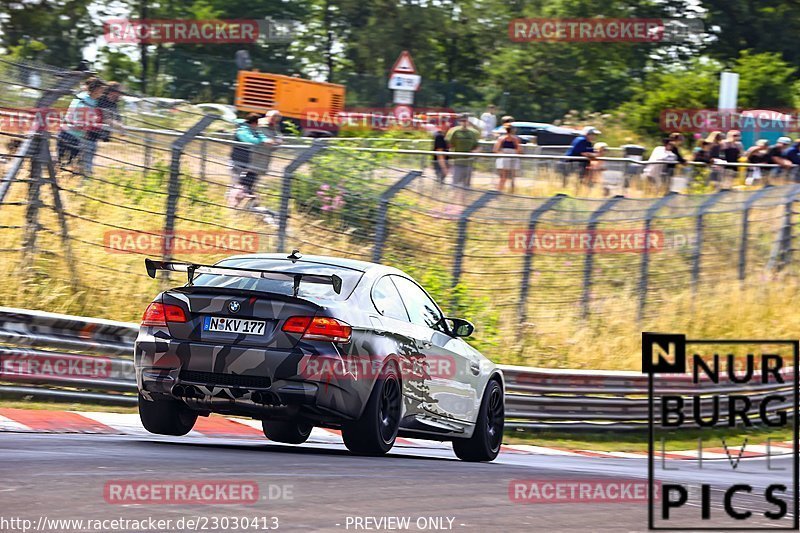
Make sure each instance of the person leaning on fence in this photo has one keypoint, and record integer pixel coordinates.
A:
(77, 137)
(243, 173)
(655, 171)
(463, 138)
(792, 154)
(758, 154)
(582, 146)
(108, 105)
(775, 157)
(507, 143)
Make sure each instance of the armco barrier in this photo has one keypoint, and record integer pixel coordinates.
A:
(61, 357)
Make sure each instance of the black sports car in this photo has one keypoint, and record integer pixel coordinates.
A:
(303, 341)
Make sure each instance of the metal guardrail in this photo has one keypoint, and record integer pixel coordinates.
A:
(40, 365)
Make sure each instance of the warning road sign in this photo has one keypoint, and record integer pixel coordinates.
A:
(404, 64)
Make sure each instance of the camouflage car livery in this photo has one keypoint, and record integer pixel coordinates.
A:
(279, 375)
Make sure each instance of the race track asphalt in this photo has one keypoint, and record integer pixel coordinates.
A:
(319, 487)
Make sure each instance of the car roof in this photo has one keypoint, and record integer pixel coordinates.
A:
(353, 264)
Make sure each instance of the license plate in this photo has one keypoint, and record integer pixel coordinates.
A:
(234, 325)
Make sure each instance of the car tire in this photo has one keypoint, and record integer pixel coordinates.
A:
(287, 432)
(484, 445)
(166, 417)
(375, 432)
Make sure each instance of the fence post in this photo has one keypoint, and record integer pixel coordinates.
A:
(644, 269)
(174, 188)
(461, 238)
(589, 263)
(203, 157)
(383, 211)
(785, 241)
(148, 154)
(746, 229)
(527, 261)
(699, 228)
(286, 189)
(33, 202)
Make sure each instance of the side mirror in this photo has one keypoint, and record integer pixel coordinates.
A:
(460, 327)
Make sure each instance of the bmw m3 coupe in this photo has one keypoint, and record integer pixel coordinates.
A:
(302, 341)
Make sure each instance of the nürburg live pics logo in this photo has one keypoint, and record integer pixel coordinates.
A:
(737, 402)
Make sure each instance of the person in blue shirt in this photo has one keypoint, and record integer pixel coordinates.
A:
(82, 121)
(243, 173)
(583, 146)
(792, 154)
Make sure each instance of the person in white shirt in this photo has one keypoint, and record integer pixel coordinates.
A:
(489, 120)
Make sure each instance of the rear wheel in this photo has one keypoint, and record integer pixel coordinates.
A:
(375, 432)
(484, 445)
(287, 432)
(166, 417)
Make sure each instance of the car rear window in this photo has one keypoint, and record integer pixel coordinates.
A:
(350, 278)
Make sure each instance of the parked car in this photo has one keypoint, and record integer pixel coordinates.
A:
(541, 132)
(303, 341)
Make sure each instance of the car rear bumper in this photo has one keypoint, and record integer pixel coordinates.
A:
(246, 380)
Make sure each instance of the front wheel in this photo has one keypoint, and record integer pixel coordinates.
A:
(484, 445)
(166, 417)
(375, 432)
(287, 432)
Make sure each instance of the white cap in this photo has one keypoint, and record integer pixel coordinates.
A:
(589, 130)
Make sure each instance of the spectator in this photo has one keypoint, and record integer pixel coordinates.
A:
(596, 167)
(78, 134)
(243, 173)
(775, 156)
(582, 146)
(732, 147)
(758, 154)
(732, 150)
(507, 143)
(440, 164)
(489, 120)
(462, 138)
(654, 172)
(675, 141)
(507, 119)
(715, 154)
(702, 153)
(108, 105)
(793, 155)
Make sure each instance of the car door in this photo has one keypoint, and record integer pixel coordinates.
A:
(394, 324)
(451, 391)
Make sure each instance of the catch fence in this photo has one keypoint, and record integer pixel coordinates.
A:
(162, 187)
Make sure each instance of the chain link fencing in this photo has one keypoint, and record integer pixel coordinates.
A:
(516, 265)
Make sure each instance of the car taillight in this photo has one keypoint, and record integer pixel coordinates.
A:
(158, 314)
(318, 328)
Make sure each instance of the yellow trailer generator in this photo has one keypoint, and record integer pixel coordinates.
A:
(313, 105)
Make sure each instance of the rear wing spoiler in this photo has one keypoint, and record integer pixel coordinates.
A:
(193, 268)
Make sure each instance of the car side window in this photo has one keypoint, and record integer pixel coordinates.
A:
(387, 300)
(421, 309)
